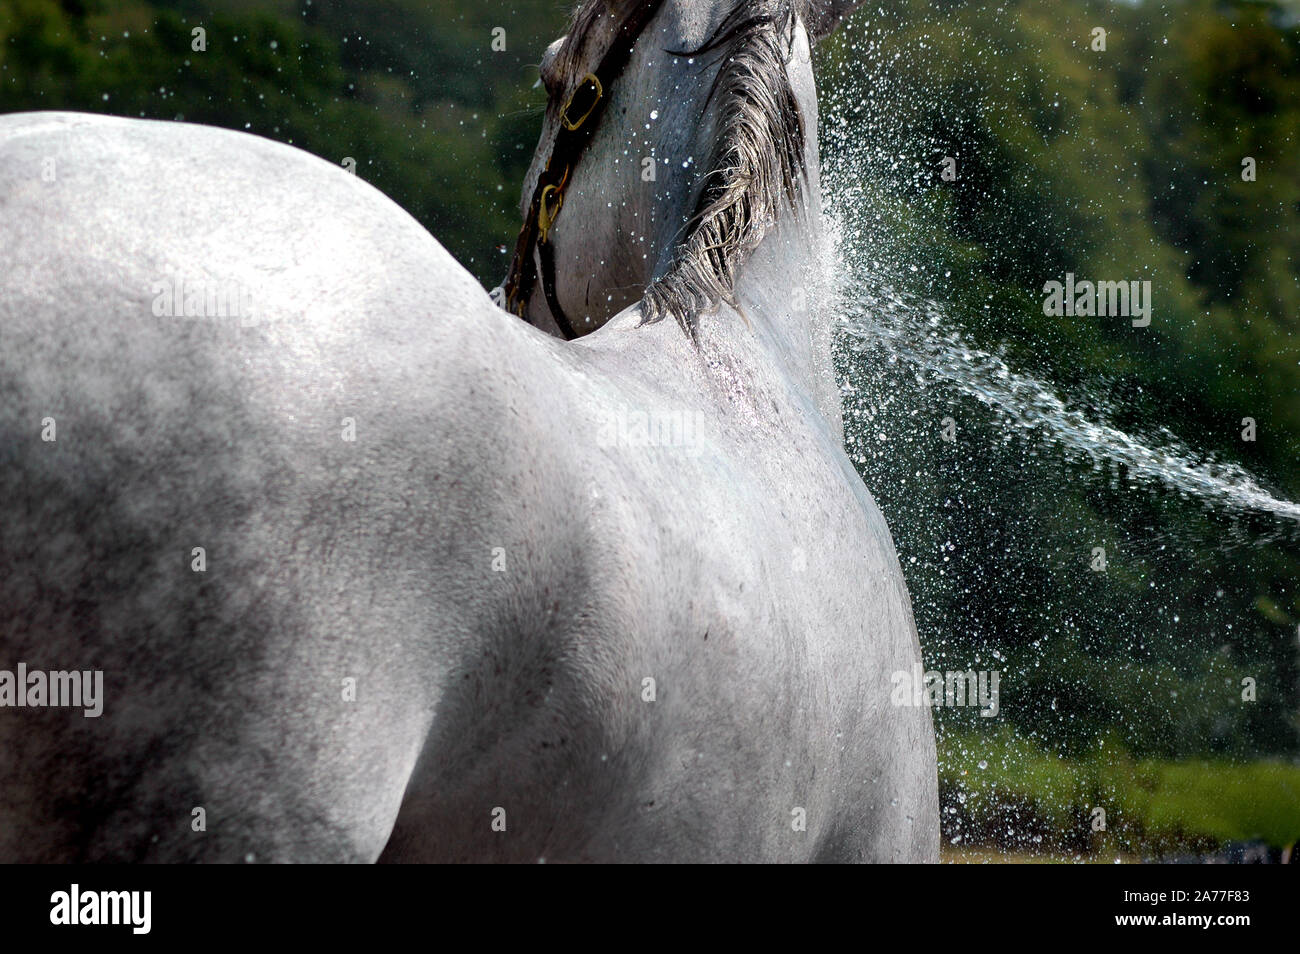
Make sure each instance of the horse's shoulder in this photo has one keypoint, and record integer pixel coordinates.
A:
(287, 294)
(116, 223)
(171, 200)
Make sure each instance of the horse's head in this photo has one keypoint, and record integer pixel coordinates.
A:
(675, 131)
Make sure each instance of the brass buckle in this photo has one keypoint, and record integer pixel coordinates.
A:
(545, 214)
(588, 80)
(513, 305)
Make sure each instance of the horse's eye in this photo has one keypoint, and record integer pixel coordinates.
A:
(550, 82)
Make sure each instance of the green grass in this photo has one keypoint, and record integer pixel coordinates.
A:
(1026, 798)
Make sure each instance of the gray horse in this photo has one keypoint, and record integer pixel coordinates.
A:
(371, 569)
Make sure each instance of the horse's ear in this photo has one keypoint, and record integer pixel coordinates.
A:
(823, 17)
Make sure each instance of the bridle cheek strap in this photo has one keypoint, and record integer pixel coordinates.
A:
(578, 120)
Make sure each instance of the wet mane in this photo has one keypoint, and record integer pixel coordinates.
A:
(756, 163)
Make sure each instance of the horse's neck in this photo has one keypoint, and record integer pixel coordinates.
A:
(783, 291)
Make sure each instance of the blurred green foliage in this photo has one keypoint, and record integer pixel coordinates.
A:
(1122, 164)
(411, 89)
(1117, 164)
(1002, 789)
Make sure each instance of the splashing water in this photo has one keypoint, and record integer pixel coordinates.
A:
(880, 247)
(914, 331)
(1056, 527)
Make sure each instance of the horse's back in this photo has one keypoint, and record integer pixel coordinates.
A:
(214, 349)
(97, 202)
(208, 340)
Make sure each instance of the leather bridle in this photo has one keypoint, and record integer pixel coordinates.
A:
(578, 120)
